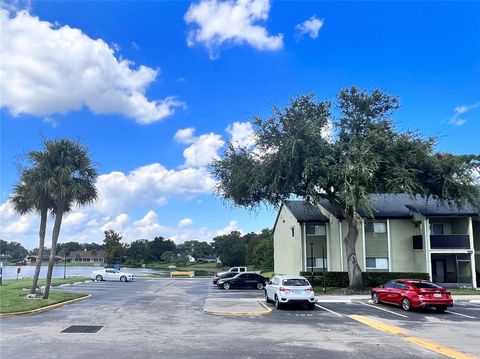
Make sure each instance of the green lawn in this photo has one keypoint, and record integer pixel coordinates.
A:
(12, 295)
(464, 291)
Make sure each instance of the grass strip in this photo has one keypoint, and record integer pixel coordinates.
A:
(12, 295)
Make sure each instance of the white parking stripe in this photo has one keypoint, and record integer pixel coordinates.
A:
(328, 310)
(385, 310)
(460, 314)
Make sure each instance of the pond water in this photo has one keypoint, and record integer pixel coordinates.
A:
(10, 272)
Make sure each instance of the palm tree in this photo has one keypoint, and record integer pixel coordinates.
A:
(68, 177)
(28, 197)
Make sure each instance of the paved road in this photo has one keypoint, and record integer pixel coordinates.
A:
(164, 319)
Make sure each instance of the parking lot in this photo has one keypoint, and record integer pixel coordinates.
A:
(165, 319)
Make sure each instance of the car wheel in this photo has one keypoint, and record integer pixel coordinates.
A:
(441, 309)
(278, 305)
(99, 278)
(123, 278)
(226, 286)
(259, 286)
(311, 306)
(267, 300)
(375, 298)
(406, 304)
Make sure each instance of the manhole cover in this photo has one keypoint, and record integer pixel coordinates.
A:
(82, 329)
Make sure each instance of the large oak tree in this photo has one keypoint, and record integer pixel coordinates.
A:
(344, 157)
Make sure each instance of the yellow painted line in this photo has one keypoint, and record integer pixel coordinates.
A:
(44, 309)
(377, 324)
(435, 347)
(438, 348)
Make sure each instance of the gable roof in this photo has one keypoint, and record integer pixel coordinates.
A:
(305, 212)
(385, 206)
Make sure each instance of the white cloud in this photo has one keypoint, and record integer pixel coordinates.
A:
(203, 150)
(309, 27)
(185, 135)
(185, 222)
(52, 69)
(327, 132)
(74, 218)
(461, 110)
(242, 134)
(150, 185)
(215, 23)
(116, 224)
(232, 226)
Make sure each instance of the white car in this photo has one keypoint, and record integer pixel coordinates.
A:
(284, 289)
(111, 274)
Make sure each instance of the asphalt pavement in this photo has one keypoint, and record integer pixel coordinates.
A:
(166, 318)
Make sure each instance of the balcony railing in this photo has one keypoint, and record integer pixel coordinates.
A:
(443, 241)
(449, 241)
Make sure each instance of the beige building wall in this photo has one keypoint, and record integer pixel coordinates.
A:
(401, 246)
(334, 246)
(288, 251)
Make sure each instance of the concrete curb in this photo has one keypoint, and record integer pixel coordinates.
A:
(44, 309)
(238, 314)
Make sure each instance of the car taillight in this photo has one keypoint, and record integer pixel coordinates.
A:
(309, 289)
(282, 289)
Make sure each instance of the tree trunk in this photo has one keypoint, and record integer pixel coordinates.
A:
(55, 235)
(354, 272)
(41, 244)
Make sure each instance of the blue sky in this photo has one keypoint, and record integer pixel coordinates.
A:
(125, 77)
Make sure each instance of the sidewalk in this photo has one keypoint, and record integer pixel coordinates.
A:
(217, 306)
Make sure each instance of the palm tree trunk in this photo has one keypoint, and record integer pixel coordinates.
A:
(354, 272)
(55, 235)
(41, 244)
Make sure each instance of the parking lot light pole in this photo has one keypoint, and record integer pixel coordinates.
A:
(64, 265)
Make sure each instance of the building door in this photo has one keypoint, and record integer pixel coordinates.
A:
(464, 272)
(439, 269)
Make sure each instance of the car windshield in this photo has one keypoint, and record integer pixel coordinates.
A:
(425, 285)
(296, 282)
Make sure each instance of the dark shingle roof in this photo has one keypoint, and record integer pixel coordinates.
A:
(305, 212)
(401, 206)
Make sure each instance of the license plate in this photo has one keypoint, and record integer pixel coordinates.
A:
(297, 291)
(437, 295)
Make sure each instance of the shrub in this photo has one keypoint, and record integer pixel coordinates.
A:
(370, 279)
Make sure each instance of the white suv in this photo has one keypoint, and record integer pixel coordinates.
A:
(283, 289)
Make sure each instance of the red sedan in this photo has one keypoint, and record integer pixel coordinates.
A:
(413, 293)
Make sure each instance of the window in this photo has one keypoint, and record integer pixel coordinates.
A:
(377, 263)
(437, 228)
(425, 285)
(317, 262)
(292, 229)
(295, 282)
(376, 227)
(401, 285)
(315, 230)
(390, 284)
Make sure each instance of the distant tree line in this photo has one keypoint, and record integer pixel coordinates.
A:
(12, 251)
(231, 249)
(255, 249)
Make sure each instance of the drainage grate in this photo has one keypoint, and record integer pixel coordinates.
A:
(82, 329)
